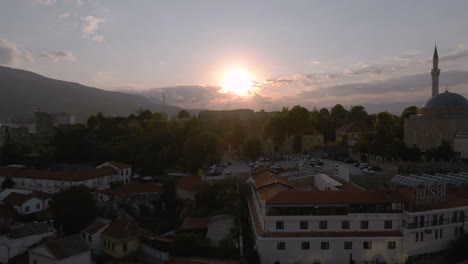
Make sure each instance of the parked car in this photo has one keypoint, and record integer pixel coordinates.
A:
(357, 164)
(368, 171)
(363, 165)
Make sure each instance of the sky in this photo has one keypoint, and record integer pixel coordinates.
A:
(312, 53)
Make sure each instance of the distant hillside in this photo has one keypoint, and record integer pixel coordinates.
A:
(21, 92)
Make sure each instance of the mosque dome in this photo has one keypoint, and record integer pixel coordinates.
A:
(446, 99)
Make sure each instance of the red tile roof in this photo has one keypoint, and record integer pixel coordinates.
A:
(265, 178)
(329, 197)
(271, 190)
(16, 198)
(125, 190)
(94, 228)
(119, 165)
(66, 175)
(193, 223)
(122, 227)
(9, 171)
(188, 183)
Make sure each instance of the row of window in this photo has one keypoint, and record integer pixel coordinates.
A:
(438, 234)
(304, 225)
(26, 208)
(109, 245)
(83, 235)
(326, 245)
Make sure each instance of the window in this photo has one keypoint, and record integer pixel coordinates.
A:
(367, 245)
(434, 220)
(454, 217)
(441, 219)
(279, 225)
(83, 235)
(388, 224)
(436, 234)
(113, 246)
(38, 206)
(324, 245)
(305, 245)
(281, 245)
(421, 236)
(304, 225)
(348, 245)
(441, 233)
(90, 238)
(364, 224)
(461, 230)
(26, 209)
(391, 245)
(323, 224)
(345, 224)
(456, 231)
(124, 247)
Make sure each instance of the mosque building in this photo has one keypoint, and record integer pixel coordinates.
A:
(443, 118)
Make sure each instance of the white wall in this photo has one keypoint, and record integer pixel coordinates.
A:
(10, 248)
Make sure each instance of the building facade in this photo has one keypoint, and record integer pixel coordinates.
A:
(443, 118)
(295, 226)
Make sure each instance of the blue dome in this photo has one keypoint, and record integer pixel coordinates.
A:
(447, 99)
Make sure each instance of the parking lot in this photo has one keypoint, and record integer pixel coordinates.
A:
(374, 181)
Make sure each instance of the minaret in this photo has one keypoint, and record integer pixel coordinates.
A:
(435, 72)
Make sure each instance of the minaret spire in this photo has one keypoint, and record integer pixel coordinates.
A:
(435, 72)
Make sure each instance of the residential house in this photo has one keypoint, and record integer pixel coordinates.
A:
(52, 181)
(92, 235)
(147, 191)
(350, 133)
(186, 187)
(16, 238)
(68, 250)
(215, 228)
(120, 238)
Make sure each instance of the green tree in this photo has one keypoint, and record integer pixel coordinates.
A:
(201, 151)
(409, 111)
(73, 208)
(252, 148)
(8, 183)
(358, 112)
(183, 114)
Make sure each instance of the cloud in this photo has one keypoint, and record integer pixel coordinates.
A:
(46, 2)
(11, 55)
(460, 53)
(79, 3)
(101, 77)
(63, 16)
(90, 26)
(316, 62)
(56, 56)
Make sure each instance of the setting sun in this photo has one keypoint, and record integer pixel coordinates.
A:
(238, 82)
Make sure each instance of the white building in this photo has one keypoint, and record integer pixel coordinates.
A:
(67, 250)
(19, 238)
(92, 235)
(324, 226)
(49, 181)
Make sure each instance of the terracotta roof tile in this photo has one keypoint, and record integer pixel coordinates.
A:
(125, 190)
(16, 198)
(119, 165)
(66, 175)
(94, 228)
(9, 171)
(66, 247)
(122, 227)
(151, 235)
(265, 178)
(329, 197)
(188, 183)
(269, 191)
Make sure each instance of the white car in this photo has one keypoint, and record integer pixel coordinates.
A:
(363, 165)
(368, 171)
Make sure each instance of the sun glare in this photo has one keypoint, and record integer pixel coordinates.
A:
(238, 82)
